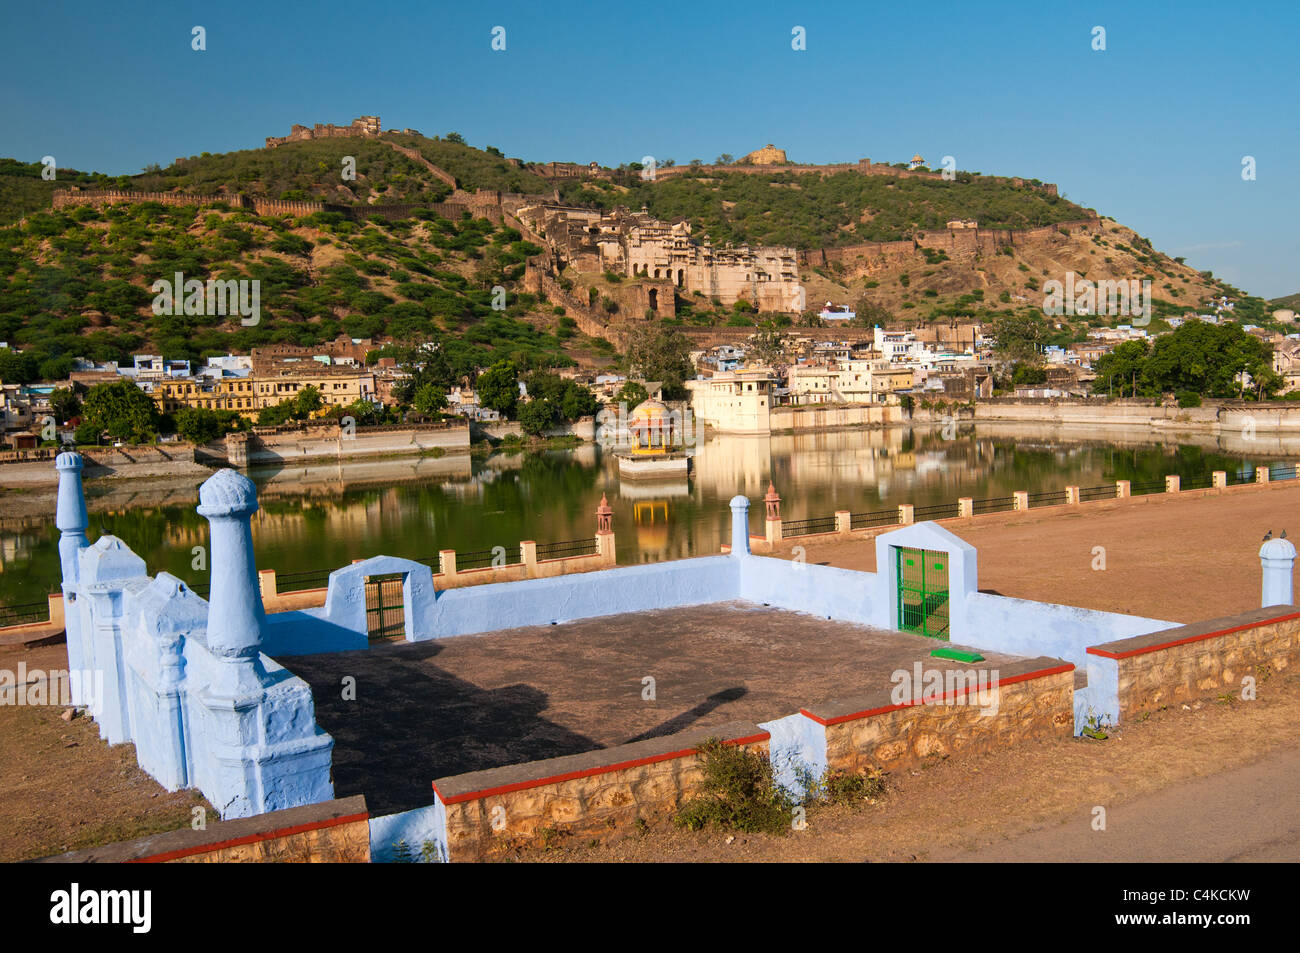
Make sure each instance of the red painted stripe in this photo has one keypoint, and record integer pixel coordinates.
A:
(840, 719)
(249, 839)
(1097, 650)
(587, 773)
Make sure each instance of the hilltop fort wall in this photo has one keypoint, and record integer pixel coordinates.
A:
(487, 204)
(363, 126)
(959, 244)
(760, 166)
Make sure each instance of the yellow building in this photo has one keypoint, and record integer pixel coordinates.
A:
(248, 395)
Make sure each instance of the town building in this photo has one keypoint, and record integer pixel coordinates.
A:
(249, 393)
(734, 401)
(637, 245)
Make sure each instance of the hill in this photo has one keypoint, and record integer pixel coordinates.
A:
(385, 170)
(1287, 301)
(927, 285)
(22, 190)
(811, 210)
(76, 282)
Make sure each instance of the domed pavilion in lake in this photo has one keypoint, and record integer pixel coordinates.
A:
(656, 443)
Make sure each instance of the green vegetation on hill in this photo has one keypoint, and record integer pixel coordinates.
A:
(814, 211)
(303, 170)
(77, 283)
(473, 168)
(309, 170)
(22, 190)
(1287, 301)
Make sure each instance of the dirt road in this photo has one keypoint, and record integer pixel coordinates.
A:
(1247, 814)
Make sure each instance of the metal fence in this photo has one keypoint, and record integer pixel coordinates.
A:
(994, 505)
(939, 511)
(297, 581)
(483, 558)
(824, 524)
(866, 520)
(573, 547)
(1146, 486)
(1107, 491)
(25, 613)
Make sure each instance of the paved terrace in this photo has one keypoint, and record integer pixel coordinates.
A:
(440, 708)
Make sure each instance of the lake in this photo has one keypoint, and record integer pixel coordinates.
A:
(324, 516)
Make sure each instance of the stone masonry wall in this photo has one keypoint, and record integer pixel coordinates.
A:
(587, 795)
(893, 740)
(328, 832)
(1204, 659)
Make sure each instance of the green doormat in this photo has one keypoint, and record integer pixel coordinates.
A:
(957, 655)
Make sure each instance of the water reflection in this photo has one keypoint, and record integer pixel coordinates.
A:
(315, 517)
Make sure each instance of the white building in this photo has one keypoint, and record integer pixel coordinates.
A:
(734, 401)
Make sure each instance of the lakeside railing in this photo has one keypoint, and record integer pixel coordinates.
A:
(25, 613)
(845, 522)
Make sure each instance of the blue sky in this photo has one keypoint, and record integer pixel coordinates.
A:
(1151, 131)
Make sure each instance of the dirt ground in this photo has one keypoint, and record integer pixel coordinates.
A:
(981, 806)
(1184, 557)
(63, 788)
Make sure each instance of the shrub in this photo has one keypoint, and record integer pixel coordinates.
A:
(1189, 398)
(738, 792)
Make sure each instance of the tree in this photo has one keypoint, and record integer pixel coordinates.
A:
(200, 425)
(429, 400)
(362, 412)
(869, 313)
(660, 354)
(1021, 335)
(578, 402)
(767, 346)
(276, 414)
(17, 368)
(1198, 358)
(65, 404)
(307, 402)
(498, 388)
(1210, 359)
(86, 434)
(538, 416)
(1120, 373)
(632, 393)
(122, 409)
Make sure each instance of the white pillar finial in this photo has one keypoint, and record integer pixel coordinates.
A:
(1276, 557)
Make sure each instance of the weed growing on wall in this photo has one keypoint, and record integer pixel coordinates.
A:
(739, 792)
(847, 787)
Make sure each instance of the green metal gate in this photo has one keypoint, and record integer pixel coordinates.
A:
(922, 591)
(385, 611)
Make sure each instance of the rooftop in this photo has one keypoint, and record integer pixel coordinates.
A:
(545, 691)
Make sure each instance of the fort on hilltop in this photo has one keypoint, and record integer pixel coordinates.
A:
(768, 155)
(636, 245)
(365, 127)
